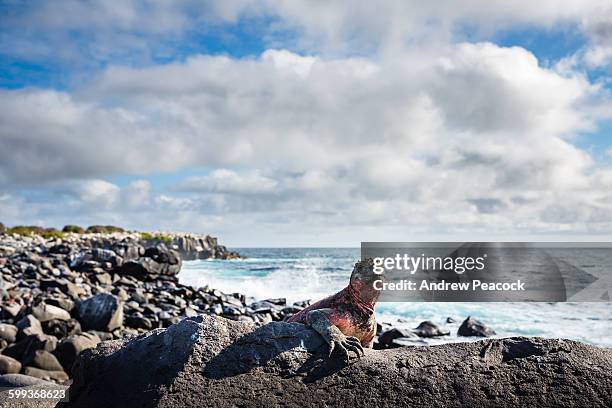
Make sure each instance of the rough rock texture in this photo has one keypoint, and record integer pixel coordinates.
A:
(209, 361)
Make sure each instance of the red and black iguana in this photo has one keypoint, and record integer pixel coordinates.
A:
(346, 319)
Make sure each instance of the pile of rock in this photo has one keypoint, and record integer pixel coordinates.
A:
(62, 296)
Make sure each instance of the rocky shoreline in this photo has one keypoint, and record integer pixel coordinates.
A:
(66, 292)
(62, 293)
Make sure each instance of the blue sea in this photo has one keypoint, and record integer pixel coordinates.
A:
(313, 273)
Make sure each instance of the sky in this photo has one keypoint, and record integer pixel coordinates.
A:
(310, 123)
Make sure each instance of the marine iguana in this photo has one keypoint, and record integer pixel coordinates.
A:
(346, 319)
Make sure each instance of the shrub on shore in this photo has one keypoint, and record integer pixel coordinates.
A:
(26, 230)
(103, 229)
(51, 233)
(2, 228)
(73, 228)
(147, 236)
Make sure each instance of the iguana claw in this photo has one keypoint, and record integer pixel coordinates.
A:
(345, 344)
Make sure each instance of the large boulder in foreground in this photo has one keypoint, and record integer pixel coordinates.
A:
(213, 361)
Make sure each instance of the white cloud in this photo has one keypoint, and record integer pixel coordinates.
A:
(96, 193)
(466, 136)
(224, 181)
(142, 30)
(418, 134)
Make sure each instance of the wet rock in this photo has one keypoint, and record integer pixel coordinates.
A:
(450, 320)
(473, 327)
(221, 361)
(9, 365)
(429, 329)
(101, 312)
(8, 332)
(44, 312)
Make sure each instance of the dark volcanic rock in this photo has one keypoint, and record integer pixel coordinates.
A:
(217, 362)
(386, 338)
(473, 327)
(148, 269)
(429, 329)
(69, 348)
(101, 312)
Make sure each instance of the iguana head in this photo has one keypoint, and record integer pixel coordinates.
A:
(362, 281)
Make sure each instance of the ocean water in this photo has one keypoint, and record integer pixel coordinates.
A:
(313, 273)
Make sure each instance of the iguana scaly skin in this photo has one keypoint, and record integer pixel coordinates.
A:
(346, 320)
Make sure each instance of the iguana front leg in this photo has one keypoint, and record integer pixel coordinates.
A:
(324, 322)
